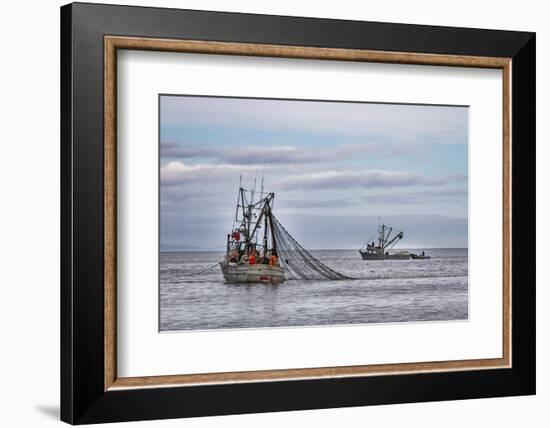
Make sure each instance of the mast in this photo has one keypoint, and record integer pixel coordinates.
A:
(241, 194)
(249, 216)
(238, 196)
(380, 236)
(274, 242)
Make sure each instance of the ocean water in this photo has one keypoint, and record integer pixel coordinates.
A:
(387, 291)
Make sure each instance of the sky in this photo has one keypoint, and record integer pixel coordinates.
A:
(335, 168)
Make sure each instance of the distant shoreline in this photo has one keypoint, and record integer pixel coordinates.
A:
(323, 249)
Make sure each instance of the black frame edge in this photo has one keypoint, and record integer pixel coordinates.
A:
(524, 213)
(305, 31)
(66, 304)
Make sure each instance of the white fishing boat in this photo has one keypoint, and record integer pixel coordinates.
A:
(382, 248)
(251, 252)
(260, 250)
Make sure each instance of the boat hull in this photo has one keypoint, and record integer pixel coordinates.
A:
(390, 256)
(258, 273)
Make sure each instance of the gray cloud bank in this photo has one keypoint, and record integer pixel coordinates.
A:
(178, 173)
(367, 179)
(286, 154)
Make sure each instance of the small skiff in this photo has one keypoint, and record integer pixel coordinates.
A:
(419, 257)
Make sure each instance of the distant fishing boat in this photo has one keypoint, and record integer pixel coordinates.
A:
(260, 250)
(420, 256)
(387, 237)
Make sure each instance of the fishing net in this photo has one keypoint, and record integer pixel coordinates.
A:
(298, 262)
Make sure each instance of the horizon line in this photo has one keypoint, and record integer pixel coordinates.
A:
(321, 249)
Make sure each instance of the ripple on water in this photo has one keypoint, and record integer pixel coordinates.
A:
(388, 291)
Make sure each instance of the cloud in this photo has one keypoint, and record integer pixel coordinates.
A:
(316, 203)
(284, 154)
(428, 197)
(292, 155)
(365, 179)
(408, 198)
(176, 173)
(174, 195)
(171, 149)
(193, 179)
(278, 155)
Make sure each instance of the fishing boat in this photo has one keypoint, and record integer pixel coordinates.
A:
(260, 250)
(387, 237)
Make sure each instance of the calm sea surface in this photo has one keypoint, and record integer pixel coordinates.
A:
(388, 291)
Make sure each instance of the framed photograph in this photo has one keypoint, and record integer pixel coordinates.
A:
(266, 213)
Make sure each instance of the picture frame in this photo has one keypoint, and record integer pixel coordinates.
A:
(91, 35)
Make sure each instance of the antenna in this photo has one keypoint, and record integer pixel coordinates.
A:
(238, 197)
(379, 233)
